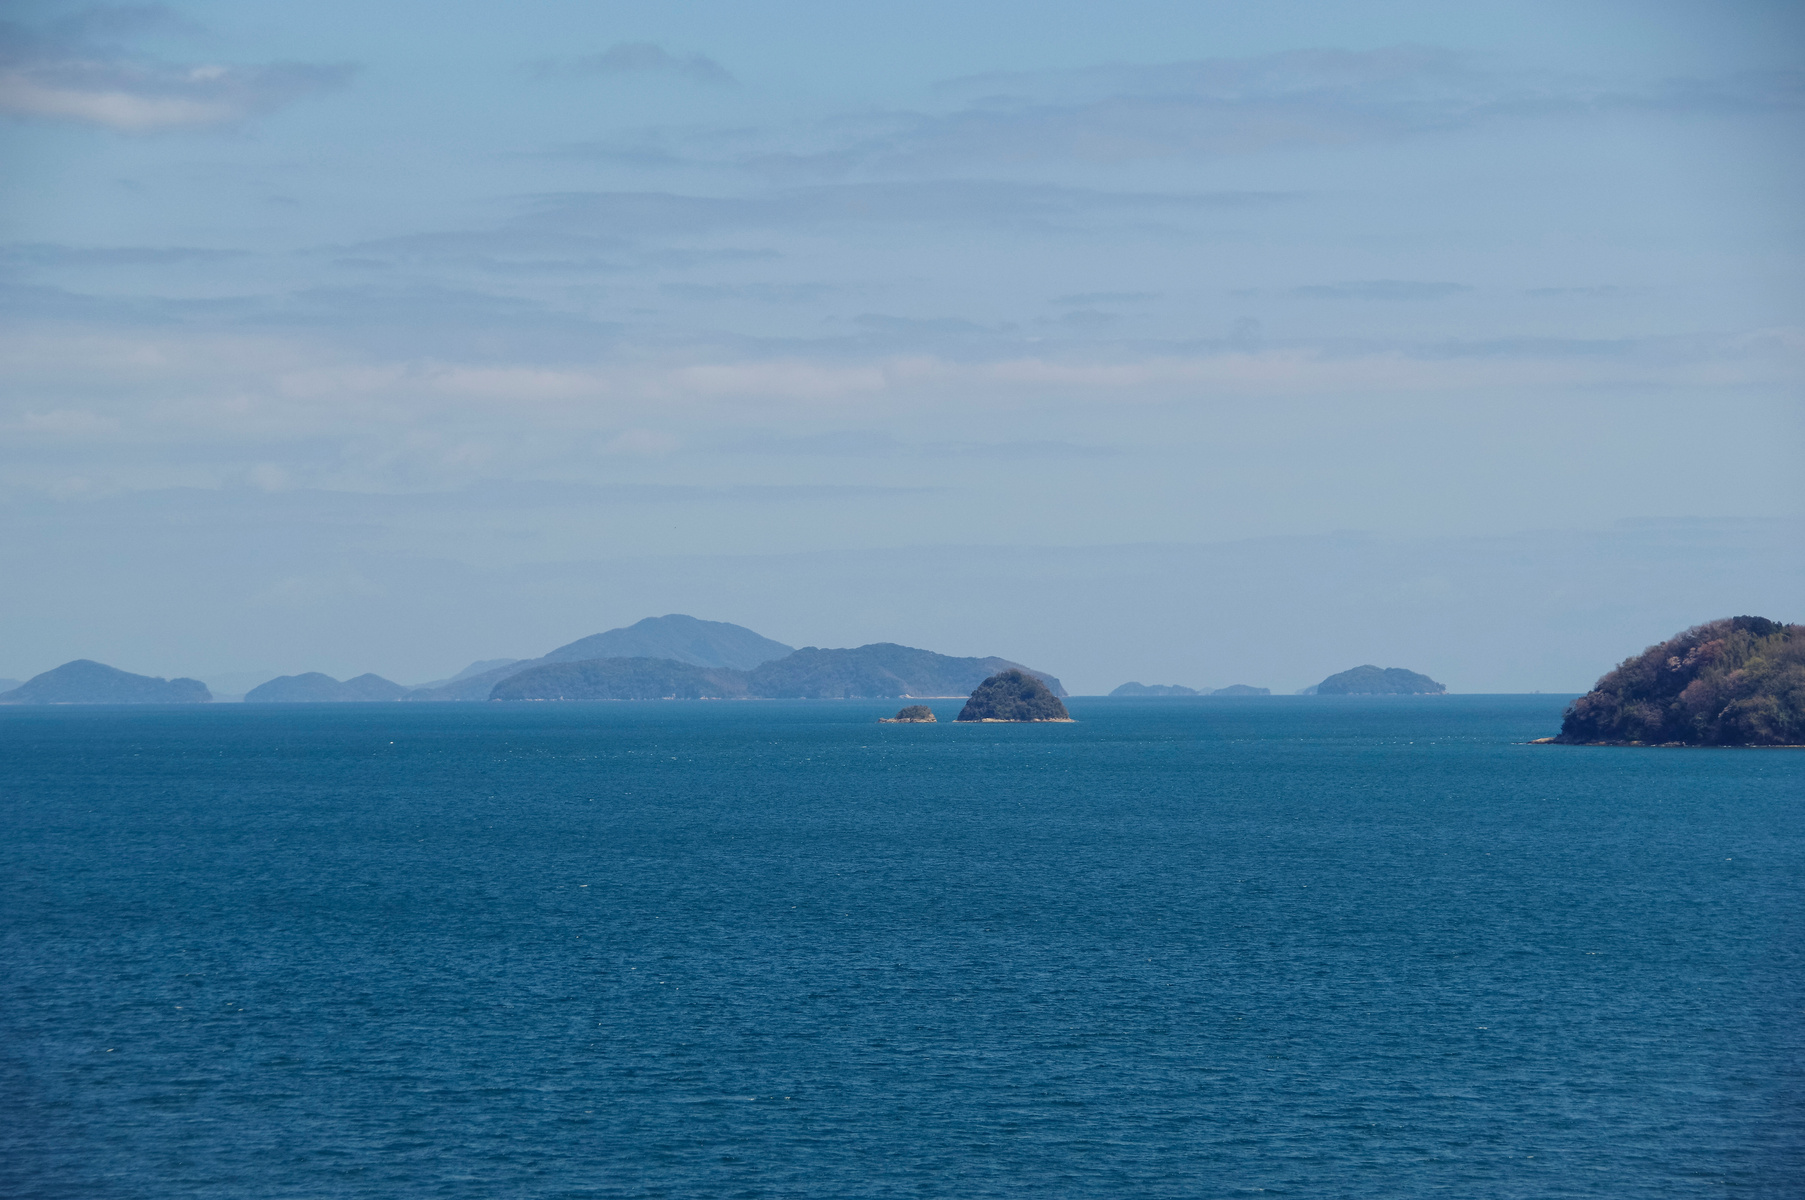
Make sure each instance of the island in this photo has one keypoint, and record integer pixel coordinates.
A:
(85, 681)
(675, 637)
(1241, 689)
(1369, 680)
(1013, 695)
(879, 671)
(1739, 681)
(1155, 689)
(315, 688)
(914, 714)
(622, 679)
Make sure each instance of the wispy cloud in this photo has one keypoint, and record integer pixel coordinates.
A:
(47, 254)
(854, 443)
(1606, 291)
(635, 58)
(1214, 107)
(1090, 298)
(962, 202)
(1380, 289)
(78, 70)
(615, 231)
(64, 422)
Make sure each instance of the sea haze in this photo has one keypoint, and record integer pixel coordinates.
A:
(1320, 946)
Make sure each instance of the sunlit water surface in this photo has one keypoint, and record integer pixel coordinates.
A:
(1298, 946)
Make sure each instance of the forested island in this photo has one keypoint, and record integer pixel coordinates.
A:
(1739, 681)
(1013, 695)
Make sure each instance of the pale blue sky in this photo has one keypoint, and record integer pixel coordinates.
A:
(292, 290)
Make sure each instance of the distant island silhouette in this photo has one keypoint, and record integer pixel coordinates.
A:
(672, 638)
(1013, 695)
(85, 681)
(315, 688)
(1174, 689)
(1369, 680)
(673, 657)
(623, 679)
(875, 672)
(1739, 681)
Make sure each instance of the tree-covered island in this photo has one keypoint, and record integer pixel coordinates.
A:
(1013, 696)
(1735, 682)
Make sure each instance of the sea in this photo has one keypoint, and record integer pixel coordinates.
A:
(1222, 947)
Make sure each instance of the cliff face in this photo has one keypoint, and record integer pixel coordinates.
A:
(1735, 682)
(87, 682)
(1013, 696)
(1379, 681)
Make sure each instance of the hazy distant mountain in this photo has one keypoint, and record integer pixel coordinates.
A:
(674, 638)
(1155, 689)
(7, 685)
(315, 688)
(1375, 681)
(1173, 689)
(882, 670)
(472, 687)
(622, 679)
(87, 682)
(679, 638)
(481, 666)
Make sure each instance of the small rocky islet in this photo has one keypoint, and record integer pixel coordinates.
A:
(914, 714)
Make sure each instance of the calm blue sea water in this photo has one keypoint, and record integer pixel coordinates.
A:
(1302, 946)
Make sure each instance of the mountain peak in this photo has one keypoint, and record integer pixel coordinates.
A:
(679, 638)
(84, 681)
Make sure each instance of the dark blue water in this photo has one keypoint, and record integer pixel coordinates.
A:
(1303, 946)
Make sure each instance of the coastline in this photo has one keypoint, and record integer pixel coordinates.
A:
(1556, 741)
